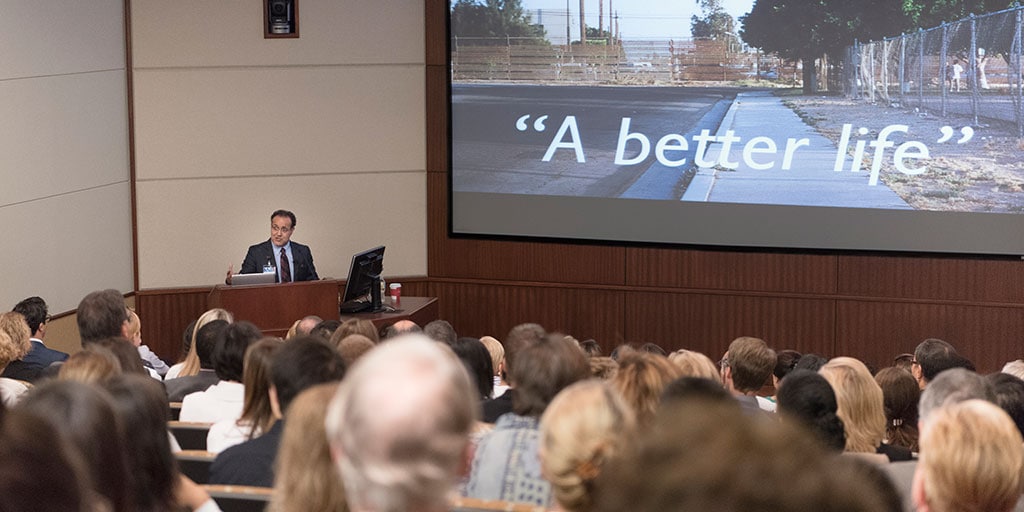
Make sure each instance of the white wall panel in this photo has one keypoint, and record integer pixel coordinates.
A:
(193, 229)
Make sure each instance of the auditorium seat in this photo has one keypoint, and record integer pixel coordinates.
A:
(240, 498)
(195, 464)
(175, 411)
(190, 436)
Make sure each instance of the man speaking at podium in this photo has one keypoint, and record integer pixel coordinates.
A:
(291, 261)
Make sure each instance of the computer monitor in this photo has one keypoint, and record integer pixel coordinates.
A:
(364, 280)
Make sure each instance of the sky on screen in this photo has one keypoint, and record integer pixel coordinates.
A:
(637, 18)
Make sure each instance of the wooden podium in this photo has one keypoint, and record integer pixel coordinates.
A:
(275, 307)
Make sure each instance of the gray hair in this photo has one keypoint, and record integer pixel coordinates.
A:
(953, 386)
(400, 425)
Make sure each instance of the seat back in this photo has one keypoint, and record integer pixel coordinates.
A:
(190, 436)
(240, 498)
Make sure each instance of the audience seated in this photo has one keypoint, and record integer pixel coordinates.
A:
(693, 388)
(641, 378)
(28, 368)
(506, 464)
(441, 330)
(694, 364)
(325, 329)
(300, 363)
(861, 406)
(400, 327)
(205, 341)
(581, 431)
(355, 326)
(14, 344)
(353, 347)
(303, 326)
(812, 362)
(518, 338)
(746, 367)
(704, 456)
(94, 365)
(1009, 391)
(806, 398)
(150, 360)
(409, 392)
(603, 367)
(257, 416)
(971, 460)
(931, 357)
(307, 478)
(39, 469)
(102, 314)
(901, 394)
(223, 400)
(192, 364)
(591, 348)
(477, 361)
(497, 352)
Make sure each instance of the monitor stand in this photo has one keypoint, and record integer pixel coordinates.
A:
(374, 305)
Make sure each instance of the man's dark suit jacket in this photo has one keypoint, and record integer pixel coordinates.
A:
(28, 367)
(249, 463)
(178, 387)
(259, 254)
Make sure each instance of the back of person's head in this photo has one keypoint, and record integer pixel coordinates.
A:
(750, 363)
(94, 365)
(860, 401)
(812, 362)
(652, 348)
(206, 341)
(904, 361)
(704, 456)
(355, 326)
(229, 350)
(806, 398)
(901, 395)
(477, 360)
(193, 363)
(581, 431)
(695, 388)
(353, 347)
(543, 369)
(933, 356)
(496, 350)
(1015, 368)
(603, 367)
(306, 476)
(305, 324)
(641, 378)
(952, 386)
(34, 310)
(302, 363)
(101, 314)
(440, 330)
(39, 469)
(694, 364)
(134, 326)
(399, 328)
(518, 338)
(257, 412)
(971, 459)
(785, 362)
(324, 330)
(15, 342)
(400, 426)
(591, 348)
(85, 417)
(1009, 392)
(141, 403)
(126, 353)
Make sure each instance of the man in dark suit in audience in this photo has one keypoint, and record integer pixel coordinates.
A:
(35, 311)
(291, 261)
(206, 340)
(299, 364)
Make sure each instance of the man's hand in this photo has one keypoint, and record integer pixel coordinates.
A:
(231, 271)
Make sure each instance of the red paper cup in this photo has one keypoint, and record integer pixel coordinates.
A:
(396, 291)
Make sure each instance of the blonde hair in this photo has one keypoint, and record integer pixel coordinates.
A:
(191, 365)
(861, 403)
(496, 351)
(134, 327)
(641, 378)
(695, 364)
(971, 458)
(16, 340)
(1015, 368)
(94, 365)
(307, 478)
(354, 326)
(293, 331)
(583, 428)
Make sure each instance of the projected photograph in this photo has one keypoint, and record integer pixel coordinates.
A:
(580, 108)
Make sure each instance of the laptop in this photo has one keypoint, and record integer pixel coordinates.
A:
(244, 279)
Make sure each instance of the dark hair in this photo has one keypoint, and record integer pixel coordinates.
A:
(302, 363)
(900, 393)
(807, 398)
(122, 350)
(39, 469)
(229, 351)
(206, 341)
(141, 403)
(812, 362)
(653, 348)
(441, 330)
(591, 347)
(477, 360)
(544, 369)
(696, 388)
(283, 213)
(34, 310)
(785, 362)
(1009, 396)
(101, 315)
(84, 415)
(186, 339)
(325, 330)
(933, 356)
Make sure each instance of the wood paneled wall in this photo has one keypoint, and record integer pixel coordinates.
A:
(869, 306)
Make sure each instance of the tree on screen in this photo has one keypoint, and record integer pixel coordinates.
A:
(932, 13)
(493, 21)
(713, 23)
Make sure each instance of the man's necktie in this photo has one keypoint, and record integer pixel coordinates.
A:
(286, 269)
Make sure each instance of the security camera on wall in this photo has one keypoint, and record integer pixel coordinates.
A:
(280, 18)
